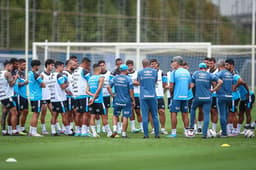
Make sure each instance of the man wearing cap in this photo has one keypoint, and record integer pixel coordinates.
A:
(147, 78)
(202, 81)
(180, 83)
(123, 99)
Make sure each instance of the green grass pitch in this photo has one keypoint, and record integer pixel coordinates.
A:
(135, 153)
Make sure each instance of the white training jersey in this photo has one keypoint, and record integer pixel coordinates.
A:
(59, 94)
(134, 75)
(107, 77)
(49, 85)
(70, 80)
(213, 72)
(6, 91)
(159, 84)
(168, 83)
(80, 78)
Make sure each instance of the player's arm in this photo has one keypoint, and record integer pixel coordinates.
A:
(109, 87)
(62, 82)
(131, 90)
(11, 79)
(217, 86)
(243, 83)
(39, 79)
(88, 91)
(100, 85)
(20, 84)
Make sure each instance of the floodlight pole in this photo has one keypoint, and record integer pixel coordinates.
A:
(253, 43)
(27, 40)
(138, 36)
(26, 33)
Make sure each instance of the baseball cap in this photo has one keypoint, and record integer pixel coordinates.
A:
(202, 65)
(123, 67)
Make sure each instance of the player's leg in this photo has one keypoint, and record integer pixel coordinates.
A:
(200, 120)
(222, 109)
(153, 108)
(42, 117)
(116, 114)
(174, 109)
(144, 110)
(55, 112)
(214, 114)
(206, 110)
(138, 113)
(85, 118)
(106, 126)
(36, 108)
(3, 120)
(184, 110)
(162, 117)
(24, 113)
(193, 113)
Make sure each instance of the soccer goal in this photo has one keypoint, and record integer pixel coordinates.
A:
(193, 54)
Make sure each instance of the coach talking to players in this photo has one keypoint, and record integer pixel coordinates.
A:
(147, 78)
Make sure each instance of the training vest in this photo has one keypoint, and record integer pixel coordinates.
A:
(5, 90)
(134, 77)
(48, 91)
(59, 94)
(159, 84)
(79, 83)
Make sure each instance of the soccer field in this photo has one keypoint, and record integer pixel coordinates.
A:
(132, 153)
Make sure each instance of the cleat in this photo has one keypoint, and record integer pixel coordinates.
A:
(103, 130)
(44, 132)
(171, 136)
(22, 133)
(145, 137)
(77, 134)
(164, 132)
(157, 137)
(109, 134)
(98, 130)
(96, 135)
(153, 132)
(199, 131)
(55, 134)
(36, 135)
(125, 137)
(136, 130)
(16, 134)
(115, 135)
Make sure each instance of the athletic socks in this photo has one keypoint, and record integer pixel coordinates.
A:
(32, 130)
(200, 123)
(18, 128)
(58, 126)
(114, 128)
(53, 128)
(132, 123)
(67, 130)
(214, 126)
(85, 129)
(107, 128)
(43, 127)
(98, 124)
(174, 131)
(22, 129)
(9, 130)
(239, 127)
(93, 128)
(123, 133)
(77, 129)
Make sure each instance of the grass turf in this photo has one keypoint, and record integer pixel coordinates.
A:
(133, 153)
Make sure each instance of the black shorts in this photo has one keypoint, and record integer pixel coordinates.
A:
(70, 104)
(8, 103)
(137, 103)
(81, 105)
(106, 100)
(190, 104)
(160, 103)
(15, 99)
(97, 108)
(233, 106)
(245, 104)
(59, 107)
(214, 103)
(46, 101)
(169, 101)
(36, 106)
(23, 103)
